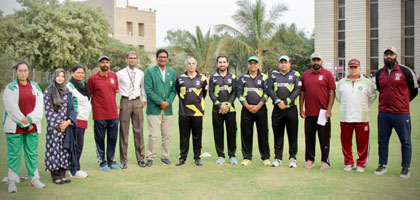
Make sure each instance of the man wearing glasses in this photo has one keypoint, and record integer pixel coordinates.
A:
(159, 84)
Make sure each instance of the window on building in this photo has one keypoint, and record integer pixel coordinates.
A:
(141, 29)
(130, 28)
(341, 27)
(373, 10)
(409, 33)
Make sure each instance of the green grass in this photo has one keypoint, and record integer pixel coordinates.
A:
(231, 182)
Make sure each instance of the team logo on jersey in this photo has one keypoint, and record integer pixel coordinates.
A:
(321, 77)
(180, 81)
(197, 83)
(290, 77)
(229, 81)
(259, 82)
(112, 81)
(360, 88)
(397, 76)
(366, 128)
(214, 80)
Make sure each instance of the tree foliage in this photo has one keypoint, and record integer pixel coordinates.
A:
(51, 35)
(256, 27)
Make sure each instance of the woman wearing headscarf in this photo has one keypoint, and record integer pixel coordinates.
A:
(82, 106)
(23, 106)
(61, 120)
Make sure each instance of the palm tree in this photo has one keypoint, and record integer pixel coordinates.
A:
(201, 47)
(256, 24)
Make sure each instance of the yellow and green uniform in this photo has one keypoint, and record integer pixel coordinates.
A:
(252, 91)
(191, 93)
(222, 91)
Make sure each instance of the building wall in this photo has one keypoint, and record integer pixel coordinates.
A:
(417, 37)
(118, 17)
(130, 14)
(325, 31)
(390, 31)
(357, 32)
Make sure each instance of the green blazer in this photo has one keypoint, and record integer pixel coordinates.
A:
(158, 91)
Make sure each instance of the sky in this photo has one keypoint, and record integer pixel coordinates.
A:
(187, 14)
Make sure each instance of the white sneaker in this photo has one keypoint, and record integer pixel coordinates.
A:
(276, 163)
(220, 160)
(348, 168)
(79, 174)
(12, 187)
(360, 169)
(37, 184)
(292, 163)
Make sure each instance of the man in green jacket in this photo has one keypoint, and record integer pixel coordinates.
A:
(159, 84)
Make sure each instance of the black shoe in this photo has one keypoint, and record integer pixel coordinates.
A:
(198, 162)
(405, 173)
(380, 170)
(165, 161)
(180, 162)
(141, 164)
(149, 163)
(123, 166)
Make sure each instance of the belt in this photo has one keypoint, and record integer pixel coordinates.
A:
(137, 98)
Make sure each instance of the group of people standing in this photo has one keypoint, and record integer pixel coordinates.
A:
(68, 106)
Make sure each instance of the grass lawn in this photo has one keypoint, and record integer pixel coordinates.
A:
(212, 181)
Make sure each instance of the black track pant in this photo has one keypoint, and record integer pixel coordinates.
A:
(188, 125)
(218, 129)
(287, 118)
(247, 131)
(324, 135)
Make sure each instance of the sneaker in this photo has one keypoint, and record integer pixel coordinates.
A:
(165, 161)
(246, 162)
(292, 163)
(309, 164)
(220, 160)
(276, 163)
(123, 166)
(37, 184)
(104, 168)
(266, 162)
(114, 167)
(149, 163)
(348, 168)
(198, 162)
(141, 164)
(233, 161)
(405, 173)
(79, 174)
(180, 162)
(12, 187)
(360, 169)
(325, 166)
(380, 170)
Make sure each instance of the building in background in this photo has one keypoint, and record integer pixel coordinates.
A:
(129, 24)
(362, 29)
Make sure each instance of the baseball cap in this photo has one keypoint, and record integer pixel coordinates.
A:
(316, 55)
(103, 57)
(253, 58)
(354, 62)
(284, 57)
(391, 48)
